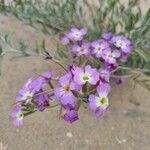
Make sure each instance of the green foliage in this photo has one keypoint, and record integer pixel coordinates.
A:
(6, 47)
(59, 16)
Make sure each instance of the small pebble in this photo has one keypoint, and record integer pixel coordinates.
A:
(69, 134)
(17, 130)
(121, 141)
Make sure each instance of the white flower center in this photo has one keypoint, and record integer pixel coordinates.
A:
(28, 95)
(67, 88)
(103, 73)
(99, 48)
(82, 49)
(120, 44)
(110, 55)
(19, 115)
(77, 34)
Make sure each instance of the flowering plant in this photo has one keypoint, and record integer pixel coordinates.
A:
(85, 82)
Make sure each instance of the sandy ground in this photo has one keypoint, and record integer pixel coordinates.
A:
(126, 125)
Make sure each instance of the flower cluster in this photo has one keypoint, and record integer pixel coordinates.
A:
(109, 49)
(32, 97)
(85, 82)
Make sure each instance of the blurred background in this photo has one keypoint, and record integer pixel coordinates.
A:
(126, 125)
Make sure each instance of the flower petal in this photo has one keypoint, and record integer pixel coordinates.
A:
(71, 116)
(68, 98)
(93, 102)
(58, 93)
(65, 80)
(104, 89)
(100, 112)
(116, 53)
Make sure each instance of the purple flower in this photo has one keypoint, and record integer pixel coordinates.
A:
(68, 107)
(124, 56)
(110, 57)
(25, 94)
(84, 49)
(111, 67)
(120, 81)
(104, 75)
(40, 82)
(107, 35)
(71, 116)
(99, 103)
(34, 86)
(42, 101)
(64, 93)
(37, 84)
(17, 115)
(99, 112)
(71, 69)
(48, 74)
(87, 74)
(65, 40)
(123, 43)
(77, 34)
(29, 81)
(98, 47)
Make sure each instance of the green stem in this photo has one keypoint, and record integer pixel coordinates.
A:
(120, 76)
(59, 63)
(54, 105)
(78, 105)
(28, 113)
(50, 84)
(134, 70)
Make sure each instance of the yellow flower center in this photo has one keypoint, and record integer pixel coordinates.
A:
(77, 34)
(99, 48)
(28, 96)
(67, 88)
(110, 55)
(103, 101)
(120, 44)
(85, 78)
(81, 49)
